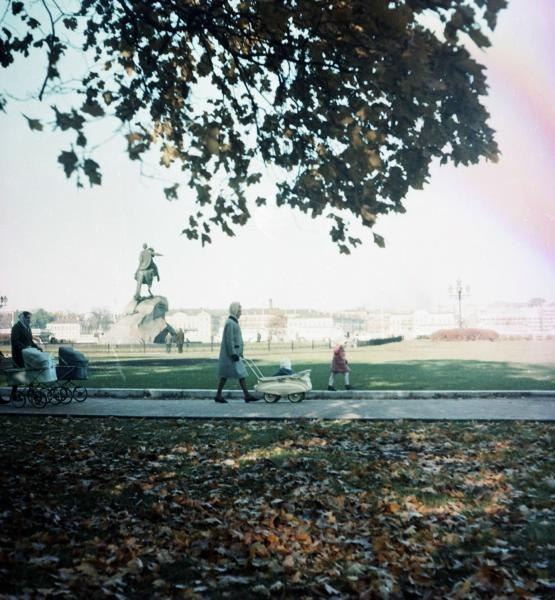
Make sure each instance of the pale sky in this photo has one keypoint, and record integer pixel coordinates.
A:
(492, 225)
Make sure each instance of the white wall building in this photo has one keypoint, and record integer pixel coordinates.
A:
(417, 323)
(197, 327)
(537, 321)
(425, 323)
(313, 328)
(401, 324)
(70, 332)
(506, 320)
(253, 324)
(376, 326)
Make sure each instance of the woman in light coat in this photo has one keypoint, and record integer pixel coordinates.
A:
(230, 363)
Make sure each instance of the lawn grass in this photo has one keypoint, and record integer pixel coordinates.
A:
(412, 375)
(216, 509)
(410, 365)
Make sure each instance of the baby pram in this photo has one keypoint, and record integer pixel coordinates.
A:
(72, 366)
(35, 378)
(293, 386)
(42, 381)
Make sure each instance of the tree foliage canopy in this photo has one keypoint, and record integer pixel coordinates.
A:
(40, 317)
(351, 100)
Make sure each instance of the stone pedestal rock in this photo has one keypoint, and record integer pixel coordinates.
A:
(142, 321)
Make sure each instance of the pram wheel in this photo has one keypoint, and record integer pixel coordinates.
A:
(37, 398)
(296, 397)
(271, 398)
(79, 393)
(52, 396)
(65, 395)
(19, 400)
(58, 395)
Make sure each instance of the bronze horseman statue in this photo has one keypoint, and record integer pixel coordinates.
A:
(147, 271)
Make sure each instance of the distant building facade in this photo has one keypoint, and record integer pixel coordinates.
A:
(519, 320)
(306, 325)
(255, 324)
(313, 328)
(197, 326)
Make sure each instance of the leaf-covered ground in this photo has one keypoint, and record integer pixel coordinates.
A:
(221, 509)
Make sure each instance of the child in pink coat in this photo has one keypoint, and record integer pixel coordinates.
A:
(339, 364)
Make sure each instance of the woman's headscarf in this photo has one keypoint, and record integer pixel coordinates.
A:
(234, 309)
(23, 319)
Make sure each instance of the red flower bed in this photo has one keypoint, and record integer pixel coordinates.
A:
(464, 335)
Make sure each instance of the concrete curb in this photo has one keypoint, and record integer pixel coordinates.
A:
(189, 394)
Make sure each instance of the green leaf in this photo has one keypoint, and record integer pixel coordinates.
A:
(481, 40)
(65, 121)
(204, 66)
(171, 192)
(34, 124)
(69, 161)
(254, 178)
(378, 240)
(91, 169)
(108, 97)
(70, 23)
(93, 108)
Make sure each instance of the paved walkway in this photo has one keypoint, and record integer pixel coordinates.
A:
(539, 407)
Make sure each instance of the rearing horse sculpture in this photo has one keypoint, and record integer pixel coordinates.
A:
(146, 271)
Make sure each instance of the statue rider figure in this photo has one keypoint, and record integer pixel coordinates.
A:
(146, 271)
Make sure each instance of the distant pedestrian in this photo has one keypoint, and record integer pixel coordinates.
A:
(168, 339)
(179, 339)
(230, 363)
(339, 364)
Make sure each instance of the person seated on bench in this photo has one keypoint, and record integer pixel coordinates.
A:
(21, 338)
(284, 368)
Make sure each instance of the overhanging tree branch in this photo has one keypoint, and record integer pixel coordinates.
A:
(353, 100)
(51, 55)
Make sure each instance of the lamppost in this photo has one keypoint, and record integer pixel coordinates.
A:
(459, 292)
